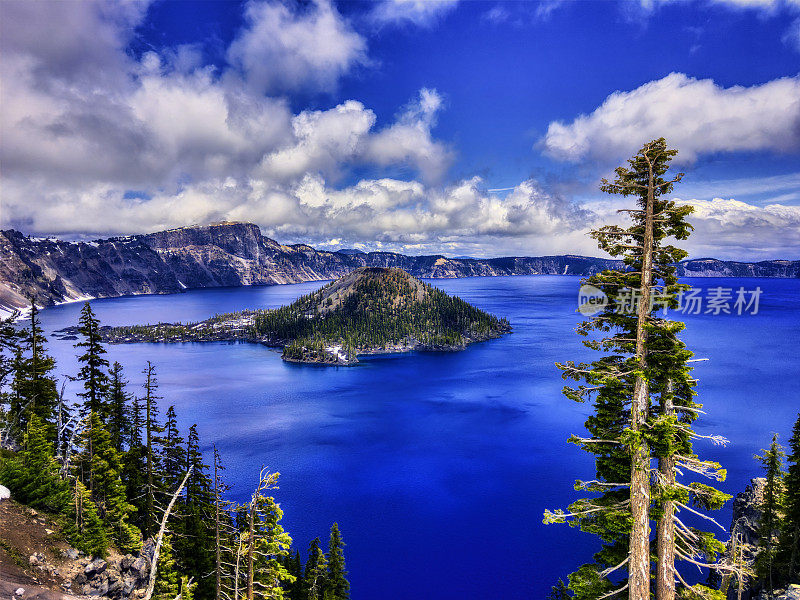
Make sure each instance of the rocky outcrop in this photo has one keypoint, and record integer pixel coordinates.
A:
(743, 543)
(35, 558)
(237, 254)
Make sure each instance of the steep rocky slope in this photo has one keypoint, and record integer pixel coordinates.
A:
(236, 254)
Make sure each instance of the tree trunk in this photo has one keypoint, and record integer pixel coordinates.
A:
(665, 574)
(639, 565)
(216, 521)
(149, 500)
(251, 543)
(160, 538)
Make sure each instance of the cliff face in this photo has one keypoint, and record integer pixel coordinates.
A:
(236, 254)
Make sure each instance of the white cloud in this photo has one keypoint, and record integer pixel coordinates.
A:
(734, 229)
(325, 141)
(409, 139)
(308, 48)
(418, 12)
(696, 116)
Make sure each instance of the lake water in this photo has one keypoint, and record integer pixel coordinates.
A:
(438, 466)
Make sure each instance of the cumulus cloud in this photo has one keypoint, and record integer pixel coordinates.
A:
(282, 49)
(326, 140)
(388, 212)
(96, 141)
(734, 229)
(418, 12)
(698, 115)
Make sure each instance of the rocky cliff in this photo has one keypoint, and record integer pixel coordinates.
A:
(236, 254)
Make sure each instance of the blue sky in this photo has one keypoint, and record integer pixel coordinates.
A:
(477, 128)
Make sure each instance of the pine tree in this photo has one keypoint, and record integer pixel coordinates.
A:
(643, 398)
(316, 571)
(84, 527)
(134, 465)
(119, 418)
(772, 461)
(294, 566)
(173, 455)
(34, 475)
(559, 592)
(94, 365)
(196, 526)
(9, 353)
(266, 543)
(108, 492)
(34, 390)
(152, 429)
(789, 545)
(336, 585)
(168, 580)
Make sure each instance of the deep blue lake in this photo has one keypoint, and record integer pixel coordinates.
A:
(438, 466)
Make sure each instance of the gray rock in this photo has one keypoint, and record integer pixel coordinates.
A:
(126, 563)
(95, 567)
(70, 553)
(140, 566)
(100, 590)
(5, 493)
(19, 591)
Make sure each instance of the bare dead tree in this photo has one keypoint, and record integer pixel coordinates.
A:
(160, 537)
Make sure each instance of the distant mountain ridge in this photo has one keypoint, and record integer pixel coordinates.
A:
(237, 254)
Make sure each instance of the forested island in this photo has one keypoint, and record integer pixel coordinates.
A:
(372, 310)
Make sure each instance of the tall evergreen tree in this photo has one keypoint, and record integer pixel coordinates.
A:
(119, 410)
(336, 585)
(223, 528)
(152, 429)
(173, 454)
(559, 591)
(9, 351)
(789, 545)
(134, 465)
(772, 461)
(294, 566)
(316, 572)
(93, 365)
(196, 549)
(643, 398)
(108, 491)
(35, 391)
(266, 544)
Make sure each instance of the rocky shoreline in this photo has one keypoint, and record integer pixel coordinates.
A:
(331, 356)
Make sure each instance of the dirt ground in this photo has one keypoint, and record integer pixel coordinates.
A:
(25, 533)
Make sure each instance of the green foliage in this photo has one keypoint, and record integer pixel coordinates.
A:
(646, 353)
(33, 387)
(788, 551)
(119, 417)
(107, 489)
(93, 365)
(559, 591)
(168, 580)
(336, 585)
(270, 543)
(316, 572)
(196, 524)
(771, 505)
(34, 477)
